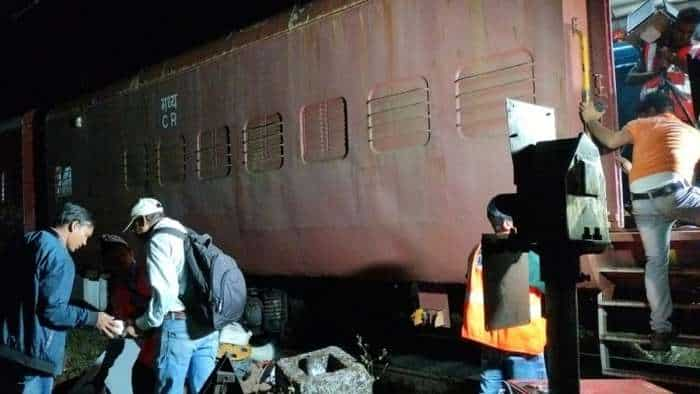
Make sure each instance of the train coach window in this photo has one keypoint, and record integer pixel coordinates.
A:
(324, 130)
(214, 153)
(482, 88)
(399, 114)
(10, 186)
(263, 143)
(135, 166)
(64, 182)
(170, 160)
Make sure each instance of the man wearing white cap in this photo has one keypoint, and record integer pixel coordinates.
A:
(183, 355)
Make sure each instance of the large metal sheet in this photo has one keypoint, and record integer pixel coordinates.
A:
(528, 124)
(506, 284)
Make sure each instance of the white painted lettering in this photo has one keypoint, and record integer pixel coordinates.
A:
(168, 109)
(164, 121)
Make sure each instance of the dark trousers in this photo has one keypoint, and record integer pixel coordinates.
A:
(115, 347)
(143, 378)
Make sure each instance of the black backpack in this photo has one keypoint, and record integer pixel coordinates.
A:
(216, 291)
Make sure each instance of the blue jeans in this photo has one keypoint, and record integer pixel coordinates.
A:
(36, 384)
(498, 366)
(181, 358)
(655, 218)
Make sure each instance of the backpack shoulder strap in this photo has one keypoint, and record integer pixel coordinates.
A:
(171, 231)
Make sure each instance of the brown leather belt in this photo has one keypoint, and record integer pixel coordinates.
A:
(178, 315)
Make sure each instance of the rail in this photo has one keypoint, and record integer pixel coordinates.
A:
(681, 235)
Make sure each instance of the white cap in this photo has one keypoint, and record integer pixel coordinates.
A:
(145, 206)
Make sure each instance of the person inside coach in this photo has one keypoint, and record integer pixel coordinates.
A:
(183, 355)
(508, 353)
(664, 65)
(35, 314)
(666, 151)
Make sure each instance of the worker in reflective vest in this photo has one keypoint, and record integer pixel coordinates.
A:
(663, 65)
(509, 353)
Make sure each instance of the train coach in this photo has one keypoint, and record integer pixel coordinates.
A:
(343, 140)
(343, 151)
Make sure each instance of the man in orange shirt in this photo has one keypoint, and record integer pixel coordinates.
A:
(665, 153)
(508, 353)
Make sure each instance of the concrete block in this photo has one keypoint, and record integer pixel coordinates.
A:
(324, 371)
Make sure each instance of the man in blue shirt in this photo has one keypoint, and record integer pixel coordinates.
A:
(35, 314)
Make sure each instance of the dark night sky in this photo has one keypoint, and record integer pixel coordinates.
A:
(54, 50)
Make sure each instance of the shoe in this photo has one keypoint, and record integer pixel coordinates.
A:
(661, 341)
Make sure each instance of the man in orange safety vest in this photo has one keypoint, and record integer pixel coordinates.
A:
(508, 353)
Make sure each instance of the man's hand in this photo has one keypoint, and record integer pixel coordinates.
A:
(589, 112)
(625, 164)
(106, 325)
(131, 331)
(609, 138)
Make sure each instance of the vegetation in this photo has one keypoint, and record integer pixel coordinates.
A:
(376, 364)
(83, 346)
(676, 356)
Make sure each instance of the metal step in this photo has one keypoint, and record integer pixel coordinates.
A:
(645, 370)
(680, 277)
(694, 272)
(684, 340)
(654, 377)
(642, 304)
(676, 236)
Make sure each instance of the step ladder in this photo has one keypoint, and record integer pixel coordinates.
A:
(627, 329)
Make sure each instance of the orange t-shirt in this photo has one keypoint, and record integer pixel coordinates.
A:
(663, 143)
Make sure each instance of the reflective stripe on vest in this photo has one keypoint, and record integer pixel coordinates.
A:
(649, 54)
(528, 339)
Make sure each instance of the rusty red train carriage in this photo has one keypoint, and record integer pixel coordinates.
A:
(344, 139)
(330, 141)
(340, 151)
